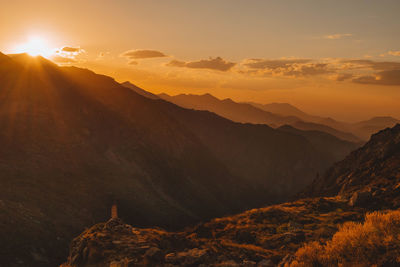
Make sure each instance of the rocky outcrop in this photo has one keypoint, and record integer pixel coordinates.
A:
(369, 176)
(261, 237)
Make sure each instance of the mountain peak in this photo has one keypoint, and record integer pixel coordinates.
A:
(139, 90)
(206, 96)
(383, 119)
(27, 60)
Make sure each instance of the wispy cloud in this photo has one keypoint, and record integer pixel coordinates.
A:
(217, 63)
(285, 67)
(63, 60)
(387, 77)
(143, 54)
(337, 36)
(370, 64)
(69, 49)
(394, 53)
(68, 55)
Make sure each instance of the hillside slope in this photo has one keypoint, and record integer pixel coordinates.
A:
(74, 141)
(370, 175)
(320, 231)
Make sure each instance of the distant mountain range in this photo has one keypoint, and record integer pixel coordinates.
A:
(278, 114)
(73, 142)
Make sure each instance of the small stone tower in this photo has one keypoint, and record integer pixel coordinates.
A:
(114, 211)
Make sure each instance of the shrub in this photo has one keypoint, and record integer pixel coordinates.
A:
(376, 242)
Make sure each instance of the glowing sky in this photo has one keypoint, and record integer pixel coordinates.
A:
(331, 58)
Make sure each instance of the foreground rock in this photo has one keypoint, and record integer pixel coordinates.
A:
(259, 237)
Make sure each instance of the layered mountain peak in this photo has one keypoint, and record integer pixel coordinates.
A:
(371, 171)
(382, 119)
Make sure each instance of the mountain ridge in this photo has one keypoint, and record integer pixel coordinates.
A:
(74, 141)
(249, 113)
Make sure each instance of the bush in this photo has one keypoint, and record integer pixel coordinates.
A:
(376, 242)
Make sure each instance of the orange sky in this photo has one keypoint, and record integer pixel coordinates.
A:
(328, 58)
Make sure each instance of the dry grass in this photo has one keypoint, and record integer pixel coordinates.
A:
(376, 242)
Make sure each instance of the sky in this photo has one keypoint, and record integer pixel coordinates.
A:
(331, 58)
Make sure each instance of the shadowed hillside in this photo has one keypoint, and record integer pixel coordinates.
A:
(318, 231)
(74, 141)
(370, 175)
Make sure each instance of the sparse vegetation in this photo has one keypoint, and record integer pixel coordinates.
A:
(376, 242)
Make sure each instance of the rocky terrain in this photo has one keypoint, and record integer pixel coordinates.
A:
(259, 237)
(370, 175)
(367, 180)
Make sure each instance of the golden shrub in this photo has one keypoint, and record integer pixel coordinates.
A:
(374, 242)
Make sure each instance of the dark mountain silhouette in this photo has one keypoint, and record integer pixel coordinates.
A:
(310, 126)
(139, 90)
(326, 143)
(255, 113)
(285, 109)
(290, 234)
(239, 112)
(74, 141)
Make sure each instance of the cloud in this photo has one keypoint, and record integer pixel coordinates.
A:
(133, 62)
(63, 60)
(387, 77)
(343, 77)
(68, 49)
(394, 53)
(337, 36)
(374, 65)
(285, 67)
(143, 54)
(68, 55)
(272, 63)
(213, 64)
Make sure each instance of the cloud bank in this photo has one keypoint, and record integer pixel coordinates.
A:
(143, 54)
(213, 64)
(388, 77)
(67, 55)
(285, 67)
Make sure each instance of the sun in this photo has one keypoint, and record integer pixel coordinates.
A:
(35, 46)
